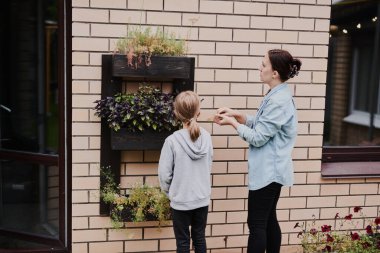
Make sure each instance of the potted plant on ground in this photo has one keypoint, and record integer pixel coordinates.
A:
(142, 203)
(140, 120)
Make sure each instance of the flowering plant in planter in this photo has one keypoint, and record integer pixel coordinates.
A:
(140, 44)
(325, 239)
(149, 108)
(142, 203)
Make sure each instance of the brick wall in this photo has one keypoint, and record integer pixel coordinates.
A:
(228, 40)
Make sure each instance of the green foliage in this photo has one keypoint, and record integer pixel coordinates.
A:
(110, 189)
(147, 200)
(148, 108)
(142, 203)
(140, 44)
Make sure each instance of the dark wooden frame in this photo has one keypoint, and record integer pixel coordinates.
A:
(356, 161)
(178, 70)
(126, 214)
(350, 162)
(350, 154)
(63, 244)
(147, 140)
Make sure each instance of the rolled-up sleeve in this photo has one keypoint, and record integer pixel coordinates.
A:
(249, 121)
(267, 125)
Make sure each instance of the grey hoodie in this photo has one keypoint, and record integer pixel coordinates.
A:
(184, 169)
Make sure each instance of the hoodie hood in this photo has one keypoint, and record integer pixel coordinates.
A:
(196, 150)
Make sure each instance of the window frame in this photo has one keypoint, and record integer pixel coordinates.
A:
(355, 161)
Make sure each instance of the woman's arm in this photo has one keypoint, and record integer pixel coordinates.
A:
(269, 123)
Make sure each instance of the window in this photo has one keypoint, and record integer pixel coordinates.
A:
(33, 134)
(352, 115)
(360, 102)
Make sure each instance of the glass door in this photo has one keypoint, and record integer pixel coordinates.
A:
(32, 193)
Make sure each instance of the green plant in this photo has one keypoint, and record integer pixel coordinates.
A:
(140, 44)
(147, 200)
(148, 108)
(141, 204)
(346, 238)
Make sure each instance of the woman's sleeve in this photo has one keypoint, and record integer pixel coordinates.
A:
(165, 167)
(267, 125)
(250, 120)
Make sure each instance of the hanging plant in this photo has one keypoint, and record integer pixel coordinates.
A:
(140, 44)
(143, 202)
(148, 108)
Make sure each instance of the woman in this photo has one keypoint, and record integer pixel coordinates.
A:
(184, 173)
(271, 134)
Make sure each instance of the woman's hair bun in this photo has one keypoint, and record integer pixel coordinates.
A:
(294, 68)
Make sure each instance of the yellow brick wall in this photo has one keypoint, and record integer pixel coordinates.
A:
(228, 39)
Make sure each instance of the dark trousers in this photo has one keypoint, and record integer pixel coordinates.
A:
(197, 219)
(264, 230)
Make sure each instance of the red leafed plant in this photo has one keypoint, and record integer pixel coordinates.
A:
(346, 237)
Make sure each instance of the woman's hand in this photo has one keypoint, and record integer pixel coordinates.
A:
(223, 119)
(226, 111)
(238, 116)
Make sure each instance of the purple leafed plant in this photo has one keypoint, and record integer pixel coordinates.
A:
(148, 108)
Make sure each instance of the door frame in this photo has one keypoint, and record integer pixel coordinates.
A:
(64, 159)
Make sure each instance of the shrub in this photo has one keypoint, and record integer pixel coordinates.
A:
(348, 240)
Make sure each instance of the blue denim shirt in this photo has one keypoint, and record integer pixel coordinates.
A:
(271, 135)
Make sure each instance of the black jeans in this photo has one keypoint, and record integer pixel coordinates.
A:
(264, 230)
(197, 219)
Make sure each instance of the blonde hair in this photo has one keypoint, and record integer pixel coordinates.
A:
(186, 109)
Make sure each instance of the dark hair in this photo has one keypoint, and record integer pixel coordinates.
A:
(284, 63)
(186, 109)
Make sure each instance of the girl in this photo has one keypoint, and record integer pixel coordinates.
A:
(184, 173)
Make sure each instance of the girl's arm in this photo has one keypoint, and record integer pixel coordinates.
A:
(165, 167)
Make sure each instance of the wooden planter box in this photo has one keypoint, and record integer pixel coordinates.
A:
(177, 70)
(147, 140)
(126, 214)
(161, 67)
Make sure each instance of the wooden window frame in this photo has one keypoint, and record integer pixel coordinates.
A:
(63, 160)
(349, 161)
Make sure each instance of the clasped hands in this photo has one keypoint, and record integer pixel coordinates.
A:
(225, 116)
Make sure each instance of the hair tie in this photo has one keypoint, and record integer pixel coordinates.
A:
(189, 121)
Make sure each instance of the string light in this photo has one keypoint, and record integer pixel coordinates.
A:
(345, 31)
(359, 26)
(374, 19)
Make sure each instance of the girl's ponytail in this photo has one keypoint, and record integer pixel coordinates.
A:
(194, 129)
(186, 109)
